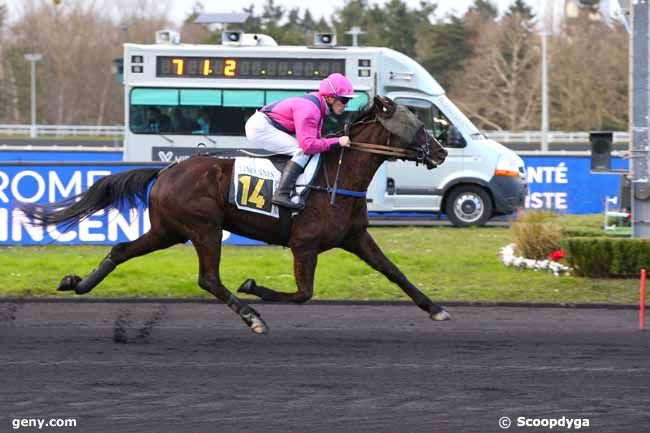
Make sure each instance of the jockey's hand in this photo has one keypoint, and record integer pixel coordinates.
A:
(344, 141)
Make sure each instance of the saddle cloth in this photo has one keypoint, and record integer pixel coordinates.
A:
(254, 180)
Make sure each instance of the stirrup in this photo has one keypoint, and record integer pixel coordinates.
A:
(286, 202)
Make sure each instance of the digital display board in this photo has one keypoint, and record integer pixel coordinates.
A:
(257, 67)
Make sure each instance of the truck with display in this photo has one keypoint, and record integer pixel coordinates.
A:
(184, 98)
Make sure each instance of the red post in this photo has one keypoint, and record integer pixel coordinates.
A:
(642, 301)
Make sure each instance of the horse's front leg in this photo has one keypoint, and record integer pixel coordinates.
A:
(365, 247)
(304, 266)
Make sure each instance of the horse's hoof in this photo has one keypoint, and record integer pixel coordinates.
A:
(258, 326)
(253, 319)
(247, 287)
(441, 315)
(69, 282)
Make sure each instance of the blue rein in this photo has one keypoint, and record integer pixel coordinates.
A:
(348, 192)
(329, 190)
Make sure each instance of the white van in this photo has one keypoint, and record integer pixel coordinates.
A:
(228, 82)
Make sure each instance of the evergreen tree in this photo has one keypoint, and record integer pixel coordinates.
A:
(271, 17)
(400, 27)
(307, 23)
(292, 33)
(293, 21)
(253, 23)
(520, 9)
(322, 26)
(444, 48)
(485, 10)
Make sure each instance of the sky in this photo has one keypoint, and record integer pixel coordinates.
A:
(179, 9)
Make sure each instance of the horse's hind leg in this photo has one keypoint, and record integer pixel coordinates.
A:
(208, 248)
(365, 247)
(304, 266)
(120, 253)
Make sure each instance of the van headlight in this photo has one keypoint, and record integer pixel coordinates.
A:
(509, 166)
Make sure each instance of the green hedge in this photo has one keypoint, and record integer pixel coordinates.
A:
(580, 232)
(600, 257)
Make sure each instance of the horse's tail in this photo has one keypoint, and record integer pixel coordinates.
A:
(116, 190)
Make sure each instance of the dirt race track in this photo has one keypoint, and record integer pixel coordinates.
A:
(194, 367)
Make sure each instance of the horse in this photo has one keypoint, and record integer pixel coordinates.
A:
(189, 201)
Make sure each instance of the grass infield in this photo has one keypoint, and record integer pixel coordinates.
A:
(446, 263)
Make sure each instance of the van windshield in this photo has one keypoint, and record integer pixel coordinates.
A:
(457, 117)
(435, 121)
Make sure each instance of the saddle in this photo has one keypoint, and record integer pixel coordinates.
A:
(254, 181)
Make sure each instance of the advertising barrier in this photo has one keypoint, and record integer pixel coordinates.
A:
(562, 184)
(59, 156)
(50, 182)
(566, 185)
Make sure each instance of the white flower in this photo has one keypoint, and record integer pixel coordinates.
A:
(508, 258)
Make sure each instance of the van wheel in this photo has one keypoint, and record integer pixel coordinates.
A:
(468, 205)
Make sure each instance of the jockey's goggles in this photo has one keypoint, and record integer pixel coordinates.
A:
(343, 99)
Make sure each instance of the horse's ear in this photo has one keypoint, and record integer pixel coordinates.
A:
(385, 106)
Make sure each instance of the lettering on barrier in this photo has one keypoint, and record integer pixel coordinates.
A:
(547, 175)
(44, 185)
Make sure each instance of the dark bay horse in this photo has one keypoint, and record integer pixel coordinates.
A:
(189, 201)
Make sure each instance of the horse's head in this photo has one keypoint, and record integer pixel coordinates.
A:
(407, 132)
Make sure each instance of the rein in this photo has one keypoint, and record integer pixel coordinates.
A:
(416, 155)
(380, 149)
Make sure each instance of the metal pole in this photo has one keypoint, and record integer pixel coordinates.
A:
(639, 120)
(32, 131)
(544, 90)
(33, 58)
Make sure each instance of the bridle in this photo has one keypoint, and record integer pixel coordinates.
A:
(417, 152)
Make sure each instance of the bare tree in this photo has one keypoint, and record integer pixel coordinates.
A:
(500, 86)
(589, 77)
(79, 40)
(3, 81)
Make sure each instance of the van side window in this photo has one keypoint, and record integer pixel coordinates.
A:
(440, 127)
(435, 122)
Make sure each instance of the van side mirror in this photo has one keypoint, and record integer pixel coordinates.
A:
(455, 138)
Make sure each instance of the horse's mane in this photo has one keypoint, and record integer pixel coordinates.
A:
(364, 114)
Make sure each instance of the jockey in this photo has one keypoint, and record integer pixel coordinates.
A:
(292, 127)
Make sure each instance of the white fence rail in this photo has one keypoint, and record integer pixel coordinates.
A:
(63, 130)
(553, 137)
(118, 131)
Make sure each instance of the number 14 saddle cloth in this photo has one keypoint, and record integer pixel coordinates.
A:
(255, 179)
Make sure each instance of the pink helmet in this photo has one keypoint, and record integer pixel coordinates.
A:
(336, 85)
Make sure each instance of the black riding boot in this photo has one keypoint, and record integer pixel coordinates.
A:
(282, 196)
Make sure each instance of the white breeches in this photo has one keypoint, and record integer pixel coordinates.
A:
(261, 133)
